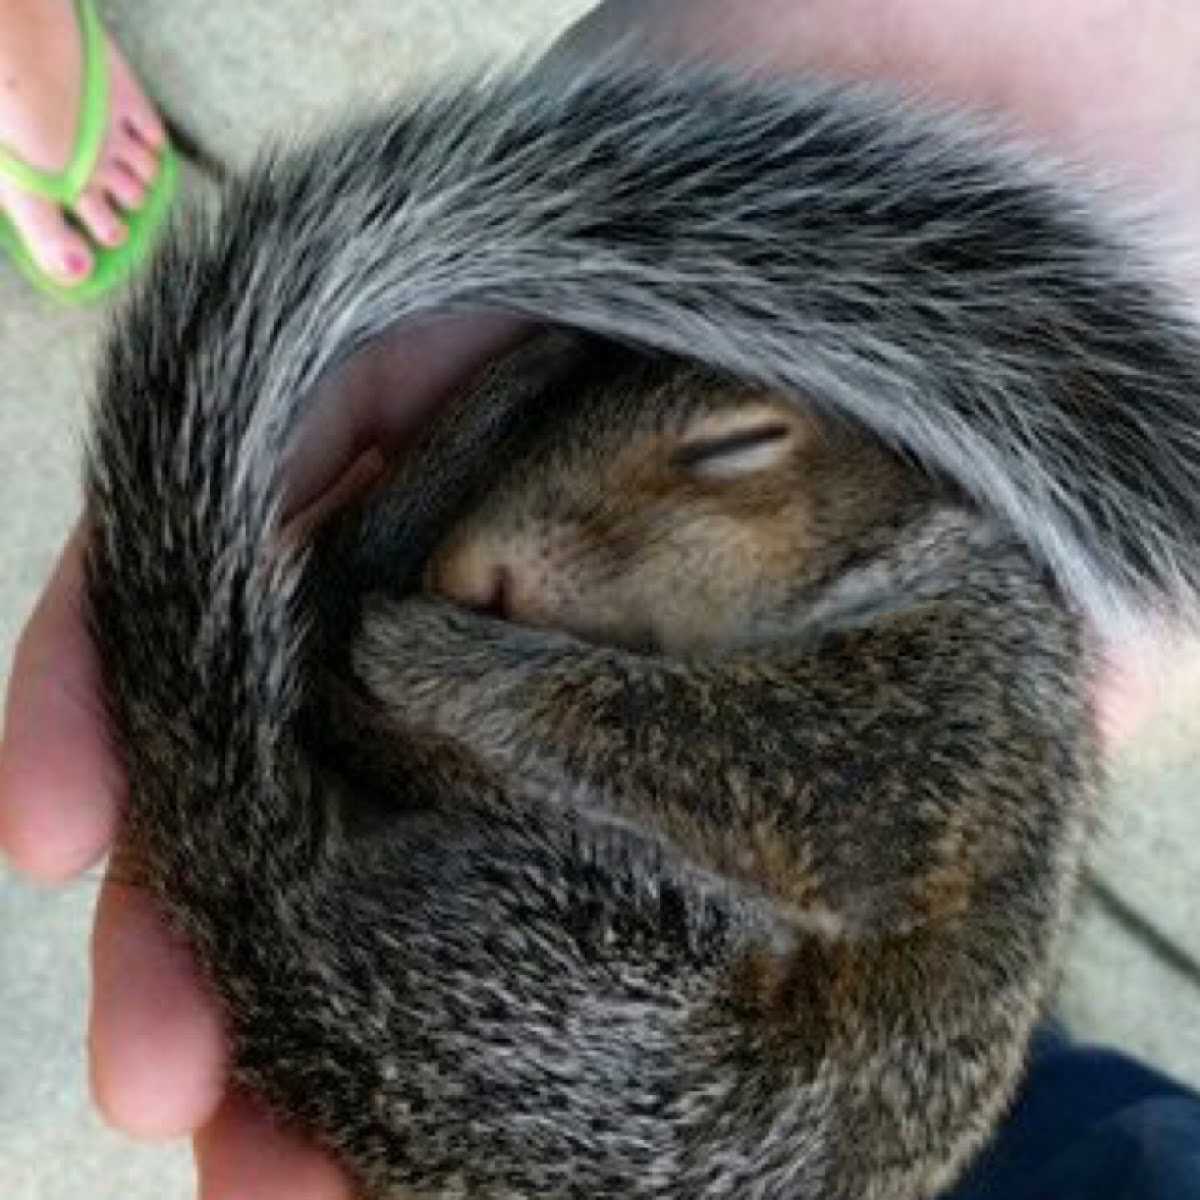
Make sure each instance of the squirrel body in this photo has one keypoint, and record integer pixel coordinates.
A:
(663, 788)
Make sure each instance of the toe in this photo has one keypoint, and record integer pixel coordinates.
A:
(143, 123)
(136, 116)
(97, 214)
(121, 185)
(141, 162)
(59, 250)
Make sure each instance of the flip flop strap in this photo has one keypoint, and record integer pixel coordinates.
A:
(65, 186)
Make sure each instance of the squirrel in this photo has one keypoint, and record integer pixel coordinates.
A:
(673, 782)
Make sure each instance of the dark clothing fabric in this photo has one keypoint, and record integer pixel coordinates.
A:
(1091, 1124)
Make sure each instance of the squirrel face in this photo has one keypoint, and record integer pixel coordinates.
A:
(683, 514)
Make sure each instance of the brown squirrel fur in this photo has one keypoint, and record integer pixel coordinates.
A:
(734, 863)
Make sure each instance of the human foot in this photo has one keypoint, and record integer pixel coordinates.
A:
(41, 85)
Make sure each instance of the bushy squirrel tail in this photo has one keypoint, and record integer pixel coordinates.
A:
(896, 268)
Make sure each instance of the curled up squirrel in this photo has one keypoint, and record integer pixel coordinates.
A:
(672, 782)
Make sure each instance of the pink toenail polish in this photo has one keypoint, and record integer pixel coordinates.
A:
(76, 263)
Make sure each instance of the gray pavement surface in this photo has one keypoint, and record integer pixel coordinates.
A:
(235, 75)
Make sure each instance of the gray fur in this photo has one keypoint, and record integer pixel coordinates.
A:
(472, 950)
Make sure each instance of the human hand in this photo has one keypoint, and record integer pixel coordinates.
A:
(159, 1066)
(1107, 84)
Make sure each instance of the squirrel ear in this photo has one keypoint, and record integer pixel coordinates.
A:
(738, 443)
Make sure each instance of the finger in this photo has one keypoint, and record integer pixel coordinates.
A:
(156, 1044)
(357, 480)
(242, 1153)
(59, 785)
(386, 391)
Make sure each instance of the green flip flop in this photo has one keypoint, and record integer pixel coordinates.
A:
(110, 265)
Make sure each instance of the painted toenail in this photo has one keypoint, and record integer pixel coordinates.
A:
(77, 263)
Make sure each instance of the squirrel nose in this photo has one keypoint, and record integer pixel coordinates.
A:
(473, 578)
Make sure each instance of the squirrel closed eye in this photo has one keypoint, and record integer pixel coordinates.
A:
(697, 532)
(736, 445)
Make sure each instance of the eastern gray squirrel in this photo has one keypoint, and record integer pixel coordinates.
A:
(736, 869)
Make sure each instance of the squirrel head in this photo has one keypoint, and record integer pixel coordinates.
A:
(668, 509)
